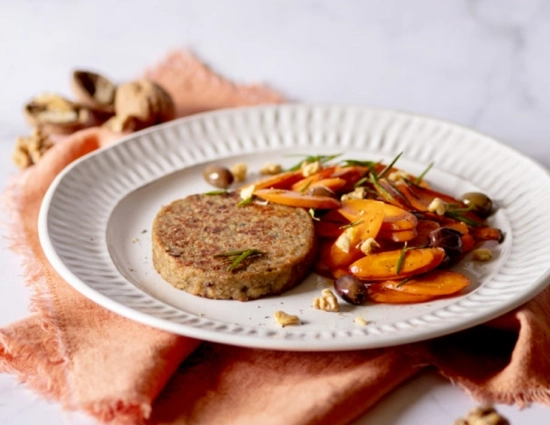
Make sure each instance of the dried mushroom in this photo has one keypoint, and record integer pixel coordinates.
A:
(56, 115)
(93, 90)
(144, 100)
(29, 150)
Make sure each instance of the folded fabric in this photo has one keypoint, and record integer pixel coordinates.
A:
(86, 358)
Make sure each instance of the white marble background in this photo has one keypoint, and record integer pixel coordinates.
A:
(481, 63)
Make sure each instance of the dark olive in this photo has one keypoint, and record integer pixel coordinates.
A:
(448, 239)
(218, 176)
(479, 203)
(351, 289)
(320, 191)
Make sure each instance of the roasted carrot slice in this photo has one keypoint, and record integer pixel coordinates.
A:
(395, 218)
(397, 264)
(347, 247)
(468, 243)
(398, 235)
(297, 199)
(302, 184)
(423, 230)
(486, 233)
(381, 294)
(278, 181)
(435, 283)
(333, 183)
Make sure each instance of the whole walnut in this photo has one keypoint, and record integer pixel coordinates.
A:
(145, 101)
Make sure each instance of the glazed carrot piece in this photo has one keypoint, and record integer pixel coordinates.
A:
(398, 235)
(302, 184)
(380, 294)
(458, 226)
(330, 225)
(347, 247)
(385, 265)
(395, 218)
(486, 233)
(297, 199)
(435, 283)
(351, 174)
(333, 183)
(423, 230)
(468, 243)
(278, 181)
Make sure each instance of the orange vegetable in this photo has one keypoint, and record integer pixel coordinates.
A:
(347, 247)
(435, 283)
(398, 235)
(380, 294)
(468, 243)
(278, 181)
(395, 218)
(486, 233)
(423, 229)
(384, 265)
(304, 182)
(332, 183)
(297, 199)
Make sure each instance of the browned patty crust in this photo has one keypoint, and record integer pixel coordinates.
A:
(190, 232)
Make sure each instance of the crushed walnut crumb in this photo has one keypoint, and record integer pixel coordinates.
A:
(482, 254)
(271, 169)
(360, 321)
(285, 319)
(483, 415)
(310, 168)
(239, 171)
(368, 246)
(29, 150)
(327, 301)
(357, 193)
(437, 206)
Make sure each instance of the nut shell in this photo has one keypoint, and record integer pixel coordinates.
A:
(93, 90)
(144, 100)
(55, 114)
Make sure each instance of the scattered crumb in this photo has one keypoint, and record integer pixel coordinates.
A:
(368, 246)
(327, 301)
(482, 254)
(483, 415)
(239, 171)
(310, 168)
(134, 240)
(357, 193)
(285, 319)
(437, 206)
(360, 321)
(271, 169)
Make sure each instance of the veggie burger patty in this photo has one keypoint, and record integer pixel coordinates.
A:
(193, 237)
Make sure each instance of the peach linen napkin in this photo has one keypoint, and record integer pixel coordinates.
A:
(73, 351)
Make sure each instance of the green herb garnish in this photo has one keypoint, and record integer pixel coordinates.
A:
(389, 166)
(313, 158)
(353, 224)
(400, 284)
(245, 201)
(458, 214)
(421, 176)
(238, 256)
(217, 192)
(401, 259)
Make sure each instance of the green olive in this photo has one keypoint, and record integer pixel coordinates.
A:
(218, 176)
(479, 203)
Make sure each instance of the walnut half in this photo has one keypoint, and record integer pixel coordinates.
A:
(29, 150)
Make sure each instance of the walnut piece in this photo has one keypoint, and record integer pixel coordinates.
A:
(327, 301)
(93, 90)
(239, 171)
(483, 415)
(285, 319)
(482, 254)
(56, 115)
(29, 150)
(145, 101)
(271, 169)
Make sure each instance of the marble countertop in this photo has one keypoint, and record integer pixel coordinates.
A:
(484, 64)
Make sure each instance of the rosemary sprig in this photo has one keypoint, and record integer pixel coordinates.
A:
(389, 166)
(421, 176)
(351, 162)
(457, 214)
(380, 189)
(353, 224)
(404, 281)
(401, 259)
(313, 158)
(245, 201)
(238, 256)
(217, 192)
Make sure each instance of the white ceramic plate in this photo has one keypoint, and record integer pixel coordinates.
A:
(95, 222)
